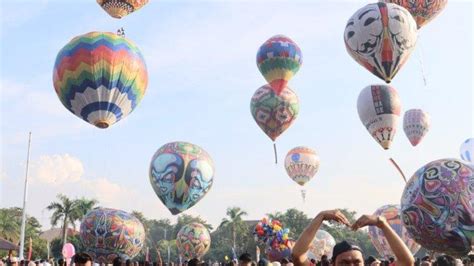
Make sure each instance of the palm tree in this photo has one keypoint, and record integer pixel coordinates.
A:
(85, 205)
(235, 217)
(9, 226)
(66, 210)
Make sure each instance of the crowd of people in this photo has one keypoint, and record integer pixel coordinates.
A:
(344, 253)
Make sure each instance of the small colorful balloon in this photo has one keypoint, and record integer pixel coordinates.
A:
(279, 59)
(121, 8)
(193, 241)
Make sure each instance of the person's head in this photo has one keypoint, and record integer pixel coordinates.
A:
(313, 261)
(128, 262)
(284, 261)
(391, 259)
(117, 261)
(245, 259)
(345, 253)
(41, 261)
(426, 258)
(445, 260)
(262, 262)
(13, 261)
(193, 262)
(82, 259)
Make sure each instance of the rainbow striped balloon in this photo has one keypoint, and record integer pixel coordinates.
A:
(100, 77)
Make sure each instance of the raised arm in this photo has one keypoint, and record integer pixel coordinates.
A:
(401, 251)
(303, 243)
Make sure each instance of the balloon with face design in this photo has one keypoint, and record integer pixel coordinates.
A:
(274, 113)
(181, 174)
(381, 37)
(109, 233)
(193, 241)
(423, 11)
(379, 110)
(437, 207)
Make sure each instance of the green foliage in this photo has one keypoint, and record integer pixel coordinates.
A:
(292, 219)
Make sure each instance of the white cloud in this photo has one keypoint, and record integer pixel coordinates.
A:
(57, 169)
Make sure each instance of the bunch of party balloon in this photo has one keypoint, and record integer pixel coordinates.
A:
(275, 238)
(275, 106)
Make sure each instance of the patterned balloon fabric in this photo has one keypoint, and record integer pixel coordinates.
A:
(181, 174)
(381, 37)
(108, 233)
(121, 8)
(392, 214)
(100, 77)
(467, 151)
(323, 244)
(278, 59)
(301, 164)
(274, 113)
(438, 206)
(193, 241)
(379, 110)
(423, 11)
(416, 124)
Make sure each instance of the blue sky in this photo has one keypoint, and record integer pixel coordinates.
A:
(202, 74)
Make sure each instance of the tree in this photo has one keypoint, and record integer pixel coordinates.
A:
(67, 211)
(234, 219)
(85, 205)
(292, 219)
(9, 228)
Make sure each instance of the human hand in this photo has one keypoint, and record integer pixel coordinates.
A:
(366, 220)
(334, 215)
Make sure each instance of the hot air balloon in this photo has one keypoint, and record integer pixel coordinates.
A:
(193, 241)
(181, 174)
(423, 11)
(273, 112)
(467, 151)
(323, 244)
(109, 233)
(121, 8)
(381, 37)
(100, 77)
(416, 124)
(301, 164)
(379, 109)
(437, 207)
(278, 59)
(392, 214)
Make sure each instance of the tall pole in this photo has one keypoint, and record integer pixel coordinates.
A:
(25, 194)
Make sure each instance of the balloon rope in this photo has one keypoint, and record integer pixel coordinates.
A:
(420, 59)
(399, 169)
(303, 194)
(275, 151)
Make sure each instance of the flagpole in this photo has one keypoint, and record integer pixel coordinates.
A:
(25, 193)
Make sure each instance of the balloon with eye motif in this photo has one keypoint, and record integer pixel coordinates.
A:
(467, 151)
(278, 59)
(423, 11)
(301, 164)
(109, 233)
(121, 8)
(274, 113)
(100, 77)
(381, 37)
(379, 110)
(193, 241)
(392, 214)
(437, 207)
(181, 174)
(416, 123)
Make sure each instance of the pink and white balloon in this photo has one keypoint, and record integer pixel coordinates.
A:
(416, 123)
(68, 252)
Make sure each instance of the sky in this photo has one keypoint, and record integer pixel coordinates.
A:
(202, 74)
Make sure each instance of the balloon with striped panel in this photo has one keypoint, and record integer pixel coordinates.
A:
(467, 150)
(278, 59)
(100, 77)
